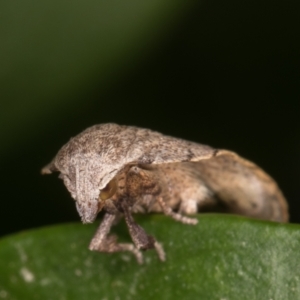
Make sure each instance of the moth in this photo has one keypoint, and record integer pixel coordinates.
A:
(124, 170)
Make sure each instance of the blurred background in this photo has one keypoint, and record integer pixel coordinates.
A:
(222, 73)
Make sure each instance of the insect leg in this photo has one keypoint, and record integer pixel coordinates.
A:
(176, 216)
(103, 243)
(140, 238)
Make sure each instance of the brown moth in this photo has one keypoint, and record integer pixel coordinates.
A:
(124, 170)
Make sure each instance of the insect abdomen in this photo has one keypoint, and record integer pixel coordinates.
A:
(241, 187)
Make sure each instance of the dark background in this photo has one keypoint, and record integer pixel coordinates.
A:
(225, 74)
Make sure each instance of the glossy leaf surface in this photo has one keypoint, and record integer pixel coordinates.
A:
(223, 257)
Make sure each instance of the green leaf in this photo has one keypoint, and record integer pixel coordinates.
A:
(223, 257)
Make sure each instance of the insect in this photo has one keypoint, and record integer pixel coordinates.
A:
(124, 170)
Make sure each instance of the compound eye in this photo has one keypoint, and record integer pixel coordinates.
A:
(109, 190)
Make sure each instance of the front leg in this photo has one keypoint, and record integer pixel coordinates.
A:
(140, 238)
(103, 242)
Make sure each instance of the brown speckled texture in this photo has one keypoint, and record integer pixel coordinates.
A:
(139, 170)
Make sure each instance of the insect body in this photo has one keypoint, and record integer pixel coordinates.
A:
(124, 170)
